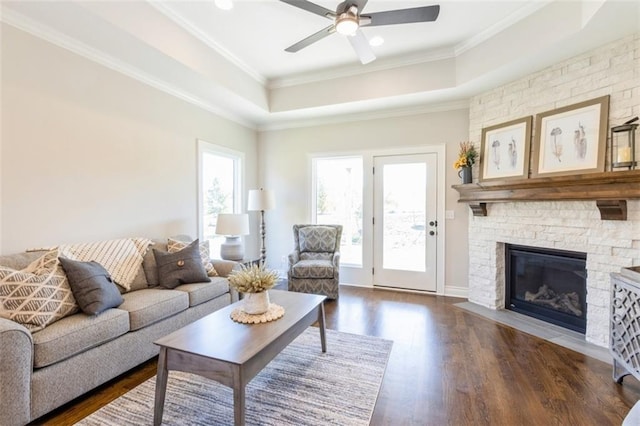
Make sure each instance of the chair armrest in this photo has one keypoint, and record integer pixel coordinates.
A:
(294, 258)
(224, 267)
(16, 366)
(336, 259)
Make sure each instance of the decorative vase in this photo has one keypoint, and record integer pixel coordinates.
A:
(256, 303)
(465, 174)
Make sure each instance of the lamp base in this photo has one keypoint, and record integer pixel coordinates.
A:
(232, 249)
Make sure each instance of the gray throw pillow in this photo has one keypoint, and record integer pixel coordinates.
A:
(91, 285)
(181, 267)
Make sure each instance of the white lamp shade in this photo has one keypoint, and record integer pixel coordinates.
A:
(261, 199)
(232, 224)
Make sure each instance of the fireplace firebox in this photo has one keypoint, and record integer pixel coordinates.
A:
(547, 284)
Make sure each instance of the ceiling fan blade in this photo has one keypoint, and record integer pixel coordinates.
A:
(403, 16)
(361, 45)
(311, 7)
(311, 39)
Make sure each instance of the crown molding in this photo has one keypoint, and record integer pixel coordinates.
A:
(50, 35)
(354, 70)
(365, 116)
(204, 38)
(525, 11)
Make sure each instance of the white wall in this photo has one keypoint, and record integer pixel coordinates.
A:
(285, 166)
(88, 153)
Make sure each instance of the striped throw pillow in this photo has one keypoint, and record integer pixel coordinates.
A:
(121, 258)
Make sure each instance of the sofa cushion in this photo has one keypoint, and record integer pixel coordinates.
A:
(92, 286)
(203, 292)
(182, 267)
(317, 238)
(37, 295)
(317, 268)
(175, 244)
(151, 305)
(77, 333)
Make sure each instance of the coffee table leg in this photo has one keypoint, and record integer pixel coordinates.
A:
(323, 337)
(238, 405)
(161, 387)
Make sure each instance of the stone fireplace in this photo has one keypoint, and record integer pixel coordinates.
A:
(562, 225)
(565, 225)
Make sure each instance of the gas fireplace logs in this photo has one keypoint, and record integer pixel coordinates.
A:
(566, 302)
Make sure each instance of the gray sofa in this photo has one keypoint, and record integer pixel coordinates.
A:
(43, 370)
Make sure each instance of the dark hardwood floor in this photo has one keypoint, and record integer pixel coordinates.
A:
(450, 367)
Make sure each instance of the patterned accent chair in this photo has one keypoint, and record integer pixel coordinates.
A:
(314, 266)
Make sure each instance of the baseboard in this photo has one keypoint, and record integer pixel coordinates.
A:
(455, 291)
(450, 291)
(355, 285)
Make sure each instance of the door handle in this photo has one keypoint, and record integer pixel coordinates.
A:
(433, 223)
(432, 232)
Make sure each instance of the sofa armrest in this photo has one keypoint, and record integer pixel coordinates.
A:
(16, 366)
(224, 267)
(235, 296)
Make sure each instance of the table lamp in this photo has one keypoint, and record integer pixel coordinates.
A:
(232, 226)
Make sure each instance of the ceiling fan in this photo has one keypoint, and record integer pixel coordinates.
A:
(348, 18)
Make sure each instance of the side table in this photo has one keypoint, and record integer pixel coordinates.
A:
(625, 323)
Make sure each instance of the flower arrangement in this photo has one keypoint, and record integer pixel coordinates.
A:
(467, 155)
(253, 279)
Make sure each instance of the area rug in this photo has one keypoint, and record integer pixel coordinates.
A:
(301, 386)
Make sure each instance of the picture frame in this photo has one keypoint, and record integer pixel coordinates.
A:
(572, 139)
(504, 154)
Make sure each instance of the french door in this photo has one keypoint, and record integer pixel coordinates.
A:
(404, 221)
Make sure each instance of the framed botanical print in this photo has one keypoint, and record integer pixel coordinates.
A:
(505, 150)
(572, 139)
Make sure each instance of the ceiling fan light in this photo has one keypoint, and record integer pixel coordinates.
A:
(376, 41)
(347, 24)
(224, 4)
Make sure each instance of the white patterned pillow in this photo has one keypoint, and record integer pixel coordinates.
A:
(174, 245)
(121, 258)
(37, 295)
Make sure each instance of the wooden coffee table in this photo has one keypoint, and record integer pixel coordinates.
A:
(220, 349)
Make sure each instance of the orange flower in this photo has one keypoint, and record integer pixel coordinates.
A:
(467, 155)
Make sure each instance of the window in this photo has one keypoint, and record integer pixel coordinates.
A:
(337, 190)
(219, 189)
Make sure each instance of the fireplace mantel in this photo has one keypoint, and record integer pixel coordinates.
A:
(610, 191)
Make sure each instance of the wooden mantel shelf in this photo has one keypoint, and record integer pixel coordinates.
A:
(610, 190)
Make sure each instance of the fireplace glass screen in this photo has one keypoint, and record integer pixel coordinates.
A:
(547, 284)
